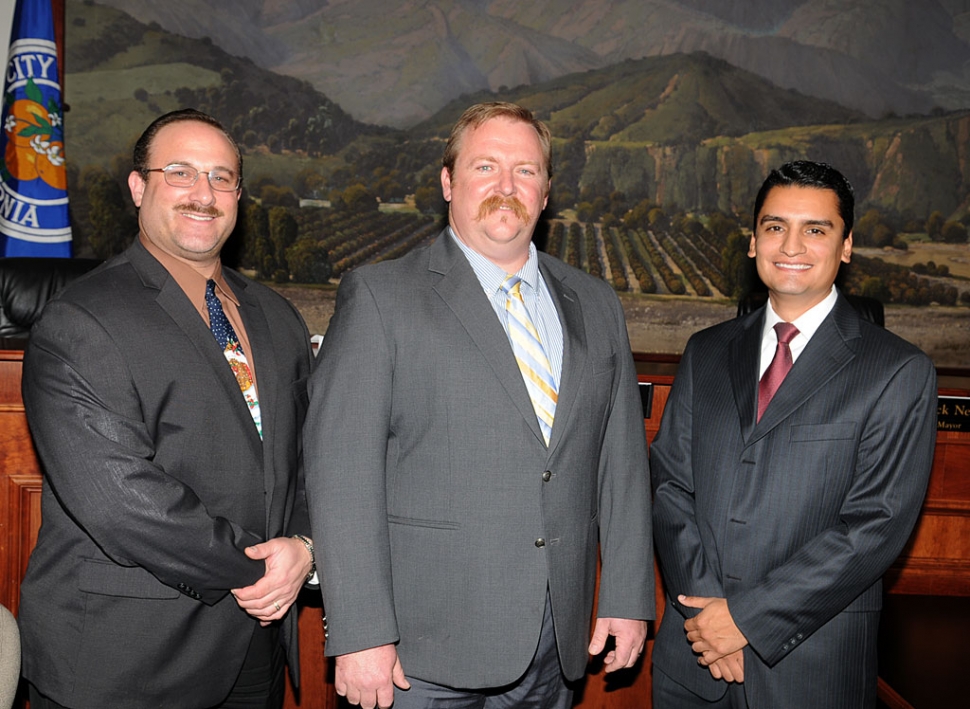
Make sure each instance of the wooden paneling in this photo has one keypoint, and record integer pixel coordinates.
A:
(316, 675)
(19, 484)
(935, 562)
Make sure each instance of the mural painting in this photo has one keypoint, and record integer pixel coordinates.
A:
(666, 117)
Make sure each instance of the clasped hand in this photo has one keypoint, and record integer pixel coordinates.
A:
(287, 566)
(715, 637)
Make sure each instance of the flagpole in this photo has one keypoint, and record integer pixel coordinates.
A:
(57, 9)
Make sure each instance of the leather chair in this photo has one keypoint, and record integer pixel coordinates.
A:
(9, 658)
(26, 284)
(868, 308)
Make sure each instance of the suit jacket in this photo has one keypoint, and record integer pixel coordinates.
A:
(793, 519)
(439, 511)
(155, 481)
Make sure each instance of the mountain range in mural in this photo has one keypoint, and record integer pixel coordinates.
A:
(396, 62)
(689, 130)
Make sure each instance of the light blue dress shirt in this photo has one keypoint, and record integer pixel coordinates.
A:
(535, 294)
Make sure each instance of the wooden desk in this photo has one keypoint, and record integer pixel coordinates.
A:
(935, 562)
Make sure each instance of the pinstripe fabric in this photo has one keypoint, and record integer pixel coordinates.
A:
(794, 518)
(843, 677)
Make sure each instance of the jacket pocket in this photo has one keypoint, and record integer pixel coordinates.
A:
(108, 579)
(603, 365)
(418, 522)
(823, 431)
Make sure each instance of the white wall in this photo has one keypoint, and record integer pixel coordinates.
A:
(6, 19)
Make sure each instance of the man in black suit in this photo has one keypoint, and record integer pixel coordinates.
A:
(173, 541)
(776, 516)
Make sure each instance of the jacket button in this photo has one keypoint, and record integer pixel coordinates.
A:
(540, 542)
(546, 476)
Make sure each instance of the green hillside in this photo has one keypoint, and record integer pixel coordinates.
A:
(121, 74)
(695, 132)
(668, 100)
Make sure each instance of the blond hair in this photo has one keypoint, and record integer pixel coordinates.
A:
(478, 114)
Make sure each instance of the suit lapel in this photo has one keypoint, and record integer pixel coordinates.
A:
(831, 348)
(458, 286)
(266, 371)
(574, 349)
(744, 356)
(172, 299)
(263, 355)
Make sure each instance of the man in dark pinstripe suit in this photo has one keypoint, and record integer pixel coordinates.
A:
(774, 522)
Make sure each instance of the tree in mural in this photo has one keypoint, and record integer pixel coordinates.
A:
(282, 234)
(112, 225)
(309, 261)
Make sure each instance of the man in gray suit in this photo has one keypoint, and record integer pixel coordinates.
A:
(459, 507)
(163, 573)
(777, 515)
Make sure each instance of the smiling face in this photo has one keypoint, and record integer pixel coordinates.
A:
(798, 246)
(497, 190)
(190, 223)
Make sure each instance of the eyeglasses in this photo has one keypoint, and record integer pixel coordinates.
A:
(220, 179)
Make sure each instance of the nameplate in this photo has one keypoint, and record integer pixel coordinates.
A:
(953, 413)
(646, 398)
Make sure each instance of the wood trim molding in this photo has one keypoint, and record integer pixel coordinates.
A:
(890, 697)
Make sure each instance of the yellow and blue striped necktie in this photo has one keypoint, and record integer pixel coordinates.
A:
(531, 356)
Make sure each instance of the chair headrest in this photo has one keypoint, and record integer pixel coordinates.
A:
(26, 284)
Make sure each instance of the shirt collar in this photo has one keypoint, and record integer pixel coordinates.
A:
(189, 280)
(809, 321)
(491, 276)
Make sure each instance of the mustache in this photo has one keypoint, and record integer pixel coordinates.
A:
(198, 209)
(495, 202)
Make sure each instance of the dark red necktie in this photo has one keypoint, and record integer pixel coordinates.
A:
(779, 367)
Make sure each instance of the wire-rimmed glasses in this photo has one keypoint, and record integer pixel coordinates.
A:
(177, 175)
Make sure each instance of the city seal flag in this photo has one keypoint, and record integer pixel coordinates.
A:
(33, 178)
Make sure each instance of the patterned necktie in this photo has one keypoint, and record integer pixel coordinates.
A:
(779, 367)
(532, 359)
(233, 351)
